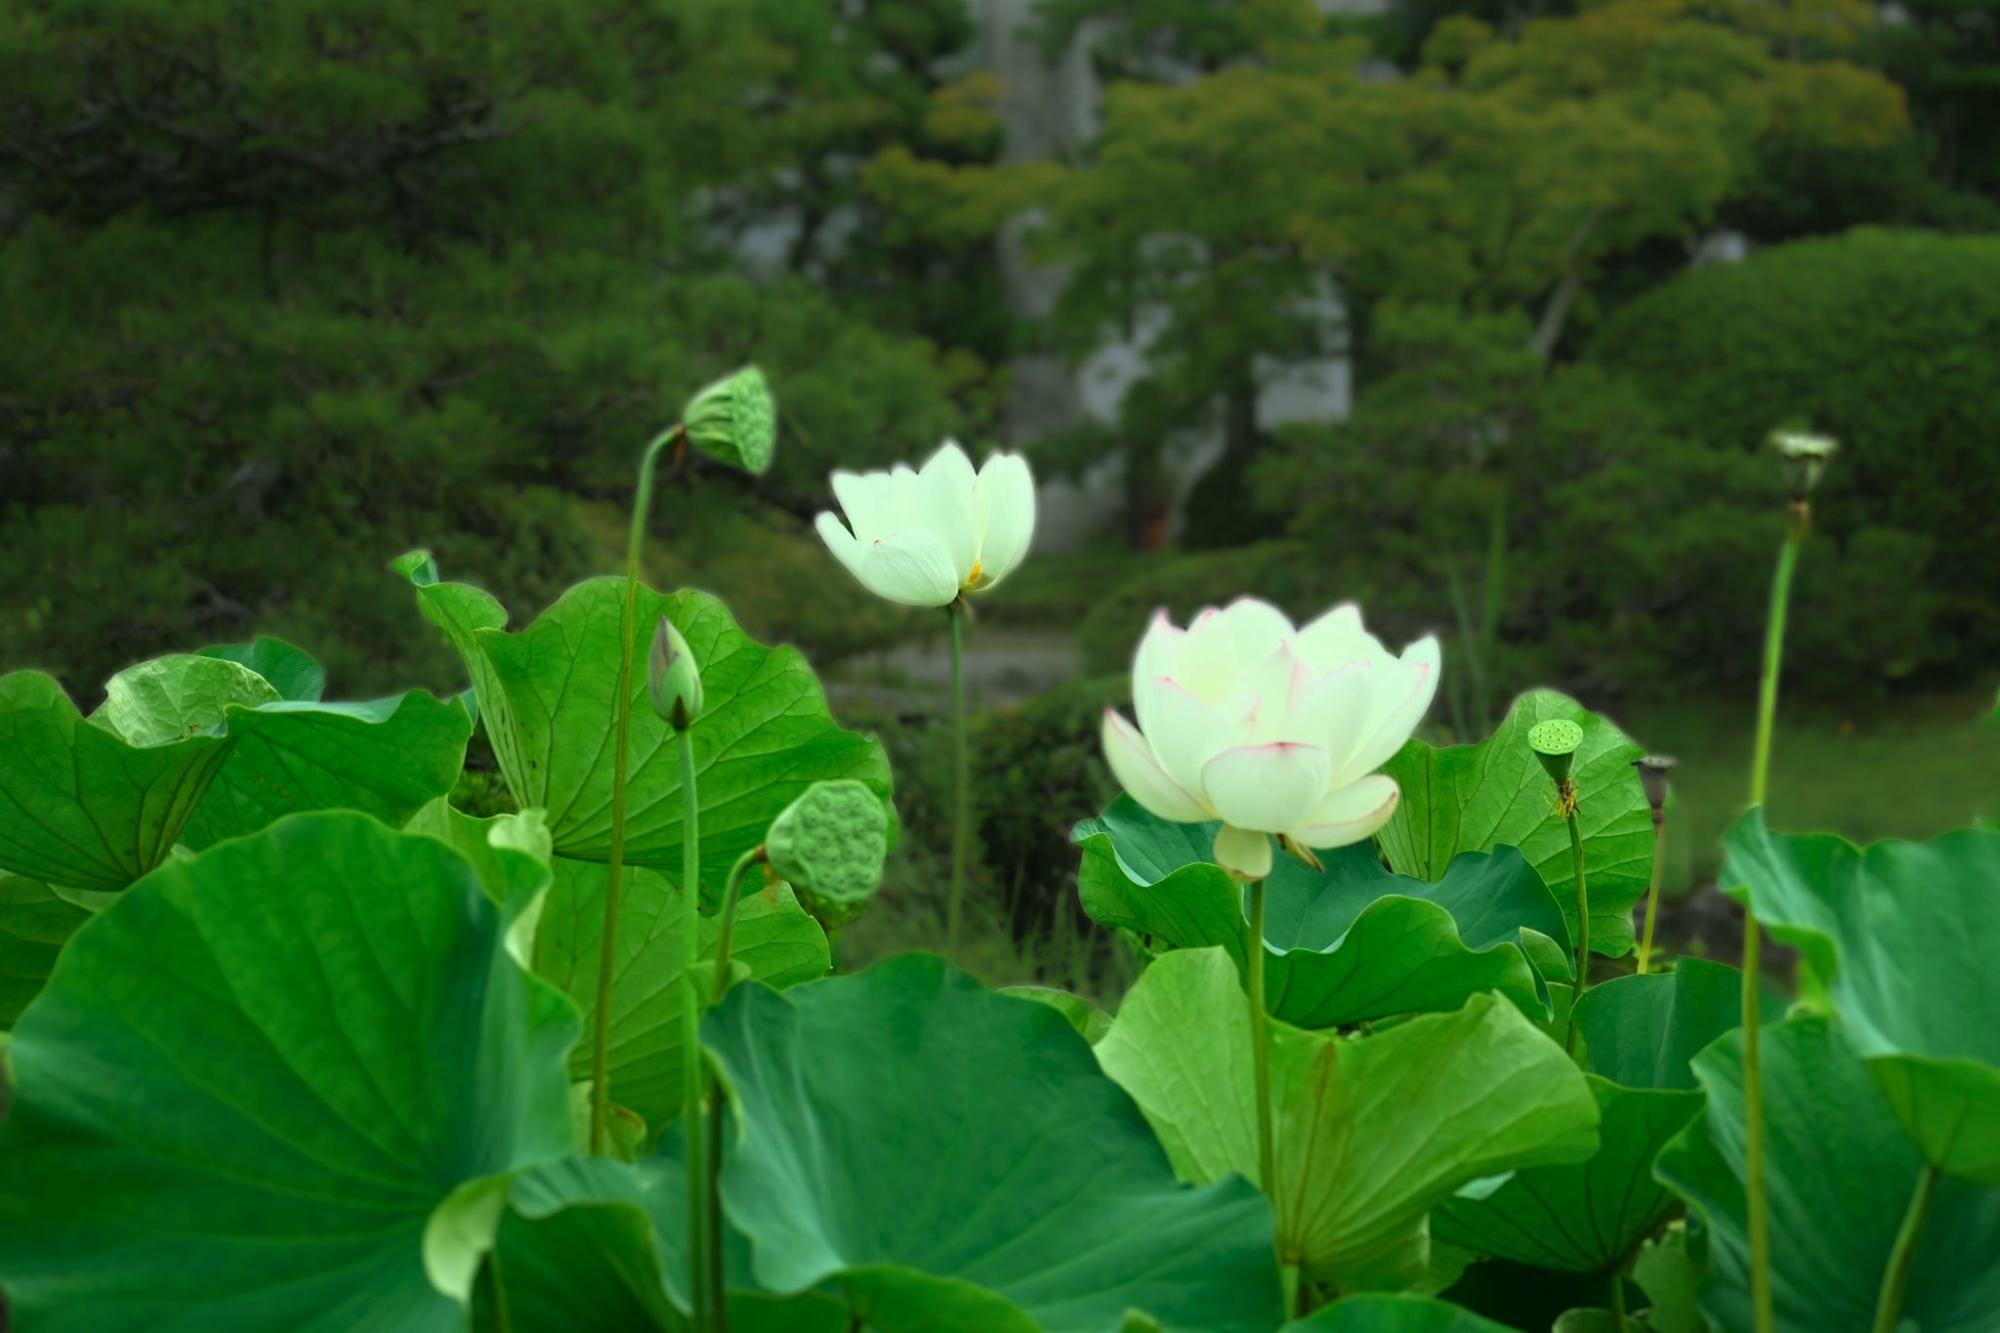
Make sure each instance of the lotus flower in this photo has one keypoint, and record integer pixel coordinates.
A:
(923, 538)
(1269, 729)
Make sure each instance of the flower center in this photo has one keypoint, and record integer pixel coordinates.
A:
(972, 579)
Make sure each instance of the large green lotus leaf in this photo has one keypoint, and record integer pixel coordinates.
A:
(1643, 1031)
(594, 1243)
(1371, 1133)
(1841, 1173)
(1903, 935)
(166, 699)
(291, 671)
(1348, 943)
(1473, 798)
(1671, 1278)
(1640, 1032)
(196, 748)
(948, 1158)
(80, 805)
(490, 845)
(577, 1249)
(385, 757)
(34, 924)
(254, 1078)
(1383, 1312)
(774, 938)
(1587, 1216)
(546, 694)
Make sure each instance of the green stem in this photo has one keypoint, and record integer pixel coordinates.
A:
(1582, 917)
(628, 624)
(1618, 1298)
(961, 767)
(1260, 1054)
(1757, 1206)
(691, 1070)
(1653, 889)
(718, 1284)
(1288, 1278)
(1758, 1198)
(1774, 654)
(729, 896)
(1889, 1305)
(496, 1288)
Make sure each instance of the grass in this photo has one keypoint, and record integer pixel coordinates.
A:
(1914, 769)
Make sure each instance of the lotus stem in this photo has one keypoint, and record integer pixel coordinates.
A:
(1568, 800)
(600, 1040)
(961, 763)
(496, 1287)
(1618, 1298)
(718, 1281)
(736, 873)
(1288, 1278)
(691, 1072)
(1260, 1054)
(1774, 649)
(1889, 1305)
(1653, 889)
(1798, 522)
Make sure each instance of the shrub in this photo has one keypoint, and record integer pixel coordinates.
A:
(1889, 341)
(1636, 558)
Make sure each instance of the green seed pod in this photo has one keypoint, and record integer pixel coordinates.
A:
(673, 680)
(1804, 456)
(1654, 772)
(1554, 743)
(830, 844)
(734, 421)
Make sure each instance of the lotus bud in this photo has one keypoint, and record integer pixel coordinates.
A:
(1805, 457)
(734, 421)
(1554, 743)
(830, 844)
(1654, 770)
(672, 677)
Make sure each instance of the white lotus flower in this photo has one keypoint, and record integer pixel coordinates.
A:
(921, 538)
(1269, 729)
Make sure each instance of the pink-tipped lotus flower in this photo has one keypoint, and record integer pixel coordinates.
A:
(1268, 728)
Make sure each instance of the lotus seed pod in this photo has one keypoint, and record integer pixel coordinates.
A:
(734, 421)
(1804, 456)
(673, 680)
(1554, 743)
(1654, 771)
(830, 844)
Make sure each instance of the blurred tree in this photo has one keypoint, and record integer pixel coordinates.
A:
(286, 289)
(1636, 551)
(1946, 53)
(1217, 216)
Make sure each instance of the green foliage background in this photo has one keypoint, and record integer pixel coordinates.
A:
(284, 289)
(287, 290)
(1893, 339)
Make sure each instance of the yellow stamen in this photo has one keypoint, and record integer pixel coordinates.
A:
(972, 579)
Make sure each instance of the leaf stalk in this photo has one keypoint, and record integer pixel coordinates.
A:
(1798, 522)
(600, 1040)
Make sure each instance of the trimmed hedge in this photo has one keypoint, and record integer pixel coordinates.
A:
(1889, 341)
